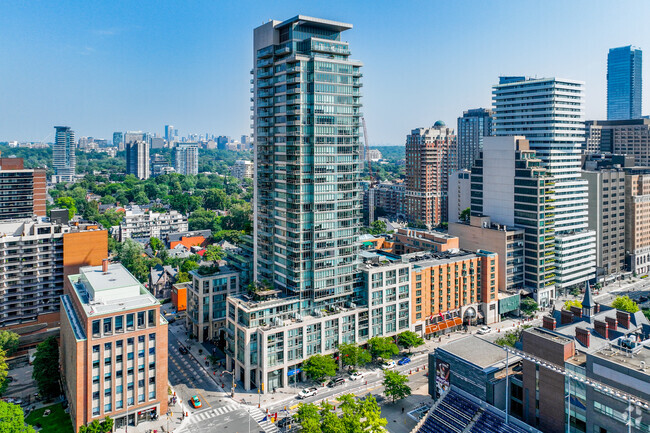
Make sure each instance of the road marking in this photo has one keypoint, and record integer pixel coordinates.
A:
(209, 405)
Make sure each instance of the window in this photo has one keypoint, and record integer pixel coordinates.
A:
(140, 338)
(152, 395)
(152, 337)
(129, 322)
(107, 346)
(96, 329)
(140, 319)
(96, 349)
(108, 326)
(140, 398)
(119, 323)
(151, 316)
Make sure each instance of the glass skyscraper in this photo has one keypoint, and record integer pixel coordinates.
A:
(472, 127)
(307, 118)
(624, 83)
(64, 159)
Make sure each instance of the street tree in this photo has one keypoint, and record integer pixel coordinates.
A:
(308, 418)
(382, 347)
(624, 303)
(8, 342)
(409, 339)
(46, 368)
(4, 368)
(353, 355)
(528, 306)
(318, 367)
(330, 421)
(12, 419)
(156, 245)
(363, 415)
(396, 385)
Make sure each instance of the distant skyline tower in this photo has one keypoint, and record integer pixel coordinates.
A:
(624, 83)
(186, 159)
(472, 127)
(169, 132)
(137, 154)
(118, 140)
(63, 154)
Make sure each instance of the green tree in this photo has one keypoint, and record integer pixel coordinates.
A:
(216, 199)
(189, 265)
(510, 338)
(624, 303)
(156, 245)
(213, 253)
(572, 303)
(318, 367)
(107, 425)
(83, 429)
(330, 421)
(382, 347)
(8, 342)
(356, 415)
(353, 355)
(183, 277)
(46, 368)
(465, 214)
(4, 368)
(94, 427)
(409, 339)
(131, 255)
(396, 385)
(12, 419)
(528, 306)
(372, 421)
(308, 417)
(67, 203)
(377, 227)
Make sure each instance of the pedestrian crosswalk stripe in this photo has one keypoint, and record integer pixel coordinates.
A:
(202, 416)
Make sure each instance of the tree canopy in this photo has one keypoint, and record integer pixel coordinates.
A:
(396, 385)
(409, 339)
(624, 303)
(353, 355)
(9, 342)
(382, 347)
(528, 306)
(12, 419)
(318, 367)
(356, 415)
(46, 368)
(4, 368)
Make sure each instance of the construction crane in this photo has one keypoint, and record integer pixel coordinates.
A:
(373, 180)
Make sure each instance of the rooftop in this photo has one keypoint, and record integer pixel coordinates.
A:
(478, 351)
(303, 19)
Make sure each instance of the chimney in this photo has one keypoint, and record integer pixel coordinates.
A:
(577, 312)
(611, 323)
(623, 319)
(548, 322)
(582, 335)
(601, 328)
(596, 308)
(105, 266)
(566, 317)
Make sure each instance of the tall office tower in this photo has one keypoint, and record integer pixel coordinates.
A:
(624, 83)
(222, 142)
(548, 112)
(137, 156)
(430, 159)
(169, 133)
(63, 155)
(118, 140)
(472, 127)
(22, 192)
(186, 160)
(509, 185)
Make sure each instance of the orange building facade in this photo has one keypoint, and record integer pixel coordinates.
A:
(179, 296)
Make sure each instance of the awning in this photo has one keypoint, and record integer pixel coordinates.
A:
(442, 325)
(430, 329)
(457, 321)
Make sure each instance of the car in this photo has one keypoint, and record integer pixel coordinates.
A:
(284, 422)
(307, 392)
(356, 375)
(484, 330)
(183, 350)
(388, 364)
(404, 361)
(336, 382)
(195, 401)
(643, 298)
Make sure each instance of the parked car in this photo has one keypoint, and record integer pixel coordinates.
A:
(484, 330)
(307, 392)
(195, 401)
(356, 375)
(388, 364)
(183, 350)
(404, 361)
(335, 382)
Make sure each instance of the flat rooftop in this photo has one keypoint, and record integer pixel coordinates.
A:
(477, 351)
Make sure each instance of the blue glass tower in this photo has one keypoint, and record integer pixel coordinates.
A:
(624, 83)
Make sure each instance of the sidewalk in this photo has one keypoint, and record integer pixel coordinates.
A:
(169, 422)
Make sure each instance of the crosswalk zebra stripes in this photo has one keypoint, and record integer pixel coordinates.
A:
(202, 416)
(258, 415)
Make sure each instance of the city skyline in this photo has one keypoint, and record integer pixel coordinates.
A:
(107, 71)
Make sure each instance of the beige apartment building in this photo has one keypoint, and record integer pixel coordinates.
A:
(637, 219)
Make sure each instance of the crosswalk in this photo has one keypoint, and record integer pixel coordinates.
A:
(203, 416)
(258, 415)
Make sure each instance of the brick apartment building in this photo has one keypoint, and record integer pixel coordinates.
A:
(22, 191)
(113, 347)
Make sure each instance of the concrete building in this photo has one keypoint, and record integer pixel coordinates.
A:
(113, 348)
(452, 289)
(64, 159)
(22, 191)
(620, 137)
(506, 241)
(510, 186)
(137, 157)
(409, 240)
(472, 127)
(35, 256)
(556, 136)
(607, 218)
(186, 158)
(637, 220)
(206, 301)
(242, 169)
(269, 335)
(144, 224)
(389, 200)
(458, 197)
(430, 159)
(118, 140)
(624, 83)
(170, 135)
(373, 155)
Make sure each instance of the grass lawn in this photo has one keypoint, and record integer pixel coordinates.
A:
(56, 422)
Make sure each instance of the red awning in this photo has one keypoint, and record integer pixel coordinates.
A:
(430, 329)
(458, 321)
(442, 325)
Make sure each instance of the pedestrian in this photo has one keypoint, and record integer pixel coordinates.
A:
(402, 409)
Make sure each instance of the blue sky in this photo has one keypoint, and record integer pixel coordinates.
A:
(111, 66)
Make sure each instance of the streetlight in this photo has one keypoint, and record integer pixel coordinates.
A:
(232, 390)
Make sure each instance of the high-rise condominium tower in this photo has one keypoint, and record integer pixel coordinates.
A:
(549, 113)
(186, 159)
(307, 125)
(137, 154)
(624, 83)
(472, 127)
(63, 154)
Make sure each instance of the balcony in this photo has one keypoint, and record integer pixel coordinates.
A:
(265, 52)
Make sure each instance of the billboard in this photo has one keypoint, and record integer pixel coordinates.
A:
(442, 377)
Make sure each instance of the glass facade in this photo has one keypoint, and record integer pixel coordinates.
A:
(472, 127)
(624, 83)
(307, 128)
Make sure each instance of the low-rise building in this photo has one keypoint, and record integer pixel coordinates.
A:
(408, 240)
(138, 223)
(188, 239)
(243, 169)
(161, 279)
(113, 348)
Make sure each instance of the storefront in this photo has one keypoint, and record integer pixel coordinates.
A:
(438, 325)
